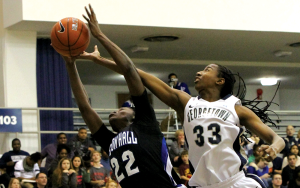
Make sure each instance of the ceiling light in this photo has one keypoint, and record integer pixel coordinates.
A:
(161, 38)
(280, 53)
(268, 81)
(139, 49)
(295, 45)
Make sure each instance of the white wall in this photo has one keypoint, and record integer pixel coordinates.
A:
(290, 99)
(257, 15)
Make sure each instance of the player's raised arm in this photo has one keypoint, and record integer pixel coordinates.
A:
(253, 123)
(176, 99)
(129, 71)
(90, 117)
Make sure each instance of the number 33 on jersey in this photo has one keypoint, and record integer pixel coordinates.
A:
(212, 131)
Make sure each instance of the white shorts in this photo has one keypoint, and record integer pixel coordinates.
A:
(238, 181)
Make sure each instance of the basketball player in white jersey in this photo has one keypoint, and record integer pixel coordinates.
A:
(212, 123)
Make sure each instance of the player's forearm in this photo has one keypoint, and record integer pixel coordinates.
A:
(108, 64)
(77, 86)
(277, 143)
(120, 58)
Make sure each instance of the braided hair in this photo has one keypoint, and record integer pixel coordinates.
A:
(263, 112)
(226, 73)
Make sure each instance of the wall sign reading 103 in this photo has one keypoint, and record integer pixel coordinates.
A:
(8, 120)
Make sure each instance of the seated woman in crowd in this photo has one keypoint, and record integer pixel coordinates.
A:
(294, 149)
(83, 175)
(177, 147)
(111, 184)
(64, 176)
(14, 183)
(260, 168)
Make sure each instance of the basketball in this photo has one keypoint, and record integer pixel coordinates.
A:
(70, 36)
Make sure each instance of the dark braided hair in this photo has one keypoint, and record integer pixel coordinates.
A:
(225, 73)
(228, 87)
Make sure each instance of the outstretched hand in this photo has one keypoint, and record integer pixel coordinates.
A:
(92, 21)
(270, 152)
(91, 56)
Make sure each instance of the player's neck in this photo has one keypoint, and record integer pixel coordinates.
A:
(210, 95)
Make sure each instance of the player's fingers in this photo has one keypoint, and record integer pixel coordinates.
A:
(87, 12)
(96, 48)
(88, 20)
(263, 147)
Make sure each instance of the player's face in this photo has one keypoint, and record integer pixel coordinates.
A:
(295, 150)
(16, 145)
(62, 139)
(16, 184)
(123, 114)
(112, 185)
(65, 165)
(206, 78)
(277, 180)
(82, 134)
(63, 154)
(96, 157)
(292, 160)
(76, 162)
(42, 179)
(290, 130)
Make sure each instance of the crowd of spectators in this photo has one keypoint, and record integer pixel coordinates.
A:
(77, 163)
(67, 164)
(284, 170)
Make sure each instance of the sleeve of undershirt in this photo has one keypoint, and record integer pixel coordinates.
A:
(104, 137)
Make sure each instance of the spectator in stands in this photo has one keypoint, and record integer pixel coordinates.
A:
(111, 184)
(63, 151)
(256, 153)
(41, 180)
(288, 172)
(9, 159)
(289, 139)
(64, 176)
(298, 138)
(98, 174)
(105, 160)
(28, 168)
(276, 181)
(277, 164)
(184, 168)
(83, 175)
(260, 168)
(14, 183)
(294, 149)
(173, 81)
(4, 177)
(295, 183)
(50, 150)
(81, 144)
(177, 147)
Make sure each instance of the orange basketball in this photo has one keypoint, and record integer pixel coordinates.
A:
(70, 36)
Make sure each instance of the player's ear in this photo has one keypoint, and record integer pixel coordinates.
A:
(220, 81)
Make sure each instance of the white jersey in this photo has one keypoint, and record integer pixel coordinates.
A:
(212, 131)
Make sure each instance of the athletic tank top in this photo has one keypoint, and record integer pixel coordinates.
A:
(212, 131)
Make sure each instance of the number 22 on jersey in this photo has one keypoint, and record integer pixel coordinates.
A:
(127, 155)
